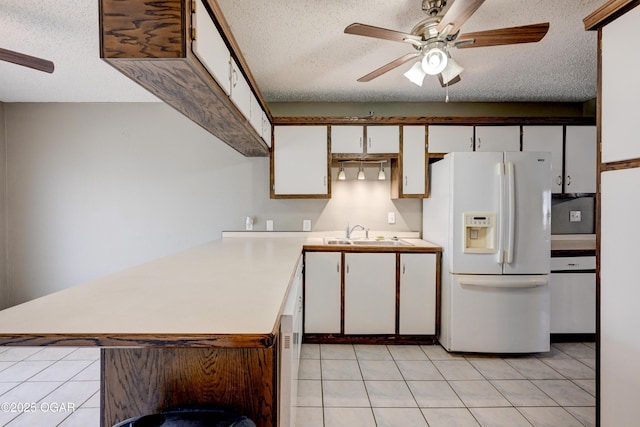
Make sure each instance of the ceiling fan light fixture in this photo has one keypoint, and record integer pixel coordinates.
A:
(342, 176)
(451, 71)
(416, 74)
(434, 61)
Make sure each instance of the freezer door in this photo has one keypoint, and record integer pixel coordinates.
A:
(527, 215)
(497, 314)
(475, 188)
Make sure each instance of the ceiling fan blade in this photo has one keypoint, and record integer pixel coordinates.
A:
(379, 33)
(458, 13)
(26, 60)
(503, 36)
(390, 66)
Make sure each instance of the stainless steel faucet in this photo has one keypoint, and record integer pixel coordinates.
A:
(349, 231)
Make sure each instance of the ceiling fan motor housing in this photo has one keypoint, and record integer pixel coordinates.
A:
(433, 7)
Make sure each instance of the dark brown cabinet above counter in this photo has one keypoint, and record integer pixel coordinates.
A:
(153, 42)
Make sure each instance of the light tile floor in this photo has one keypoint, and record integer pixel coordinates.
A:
(344, 385)
(49, 386)
(420, 386)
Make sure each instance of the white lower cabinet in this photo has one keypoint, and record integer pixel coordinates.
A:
(417, 294)
(573, 295)
(369, 293)
(322, 292)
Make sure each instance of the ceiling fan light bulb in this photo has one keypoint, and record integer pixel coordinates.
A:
(416, 74)
(451, 71)
(434, 61)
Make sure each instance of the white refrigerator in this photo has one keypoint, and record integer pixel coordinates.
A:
(491, 213)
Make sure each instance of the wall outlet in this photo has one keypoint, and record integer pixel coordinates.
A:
(269, 225)
(248, 223)
(575, 216)
(391, 218)
(306, 225)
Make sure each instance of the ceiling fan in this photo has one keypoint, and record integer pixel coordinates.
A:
(436, 34)
(26, 60)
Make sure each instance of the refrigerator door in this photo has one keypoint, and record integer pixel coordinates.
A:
(527, 213)
(496, 314)
(475, 188)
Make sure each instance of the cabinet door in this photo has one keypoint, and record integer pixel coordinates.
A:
(547, 138)
(383, 139)
(573, 303)
(347, 139)
(418, 294)
(210, 48)
(240, 90)
(256, 114)
(413, 160)
(446, 139)
(322, 293)
(300, 160)
(266, 129)
(580, 159)
(370, 293)
(497, 138)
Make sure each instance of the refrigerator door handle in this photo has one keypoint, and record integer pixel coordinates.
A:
(500, 224)
(512, 282)
(511, 188)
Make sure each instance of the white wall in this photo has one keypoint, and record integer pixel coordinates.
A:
(3, 214)
(95, 188)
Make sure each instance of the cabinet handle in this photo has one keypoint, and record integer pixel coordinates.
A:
(403, 268)
(234, 77)
(405, 180)
(347, 268)
(471, 143)
(568, 180)
(369, 139)
(360, 142)
(324, 180)
(337, 267)
(559, 180)
(479, 143)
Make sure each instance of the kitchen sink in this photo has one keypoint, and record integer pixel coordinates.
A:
(381, 243)
(365, 242)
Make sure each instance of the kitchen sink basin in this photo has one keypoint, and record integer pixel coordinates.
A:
(381, 243)
(365, 242)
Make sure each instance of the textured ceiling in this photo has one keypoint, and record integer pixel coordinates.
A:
(297, 51)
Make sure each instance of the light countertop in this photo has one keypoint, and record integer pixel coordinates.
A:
(225, 293)
(232, 286)
(573, 242)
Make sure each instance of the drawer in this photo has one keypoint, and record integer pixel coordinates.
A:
(573, 263)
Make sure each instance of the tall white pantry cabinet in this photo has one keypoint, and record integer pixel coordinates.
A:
(618, 22)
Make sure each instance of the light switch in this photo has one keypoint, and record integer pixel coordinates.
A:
(269, 225)
(306, 225)
(391, 218)
(575, 216)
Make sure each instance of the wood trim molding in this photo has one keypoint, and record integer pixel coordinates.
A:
(620, 165)
(402, 120)
(608, 12)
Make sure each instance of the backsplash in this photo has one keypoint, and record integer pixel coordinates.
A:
(573, 216)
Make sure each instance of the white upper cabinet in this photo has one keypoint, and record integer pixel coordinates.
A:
(350, 139)
(580, 159)
(256, 114)
(266, 129)
(413, 160)
(240, 91)
(211, 49)
(547, 138)
(300, 160)
(446, 139)
(347, 139)
(383, 139)
(497, 138)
